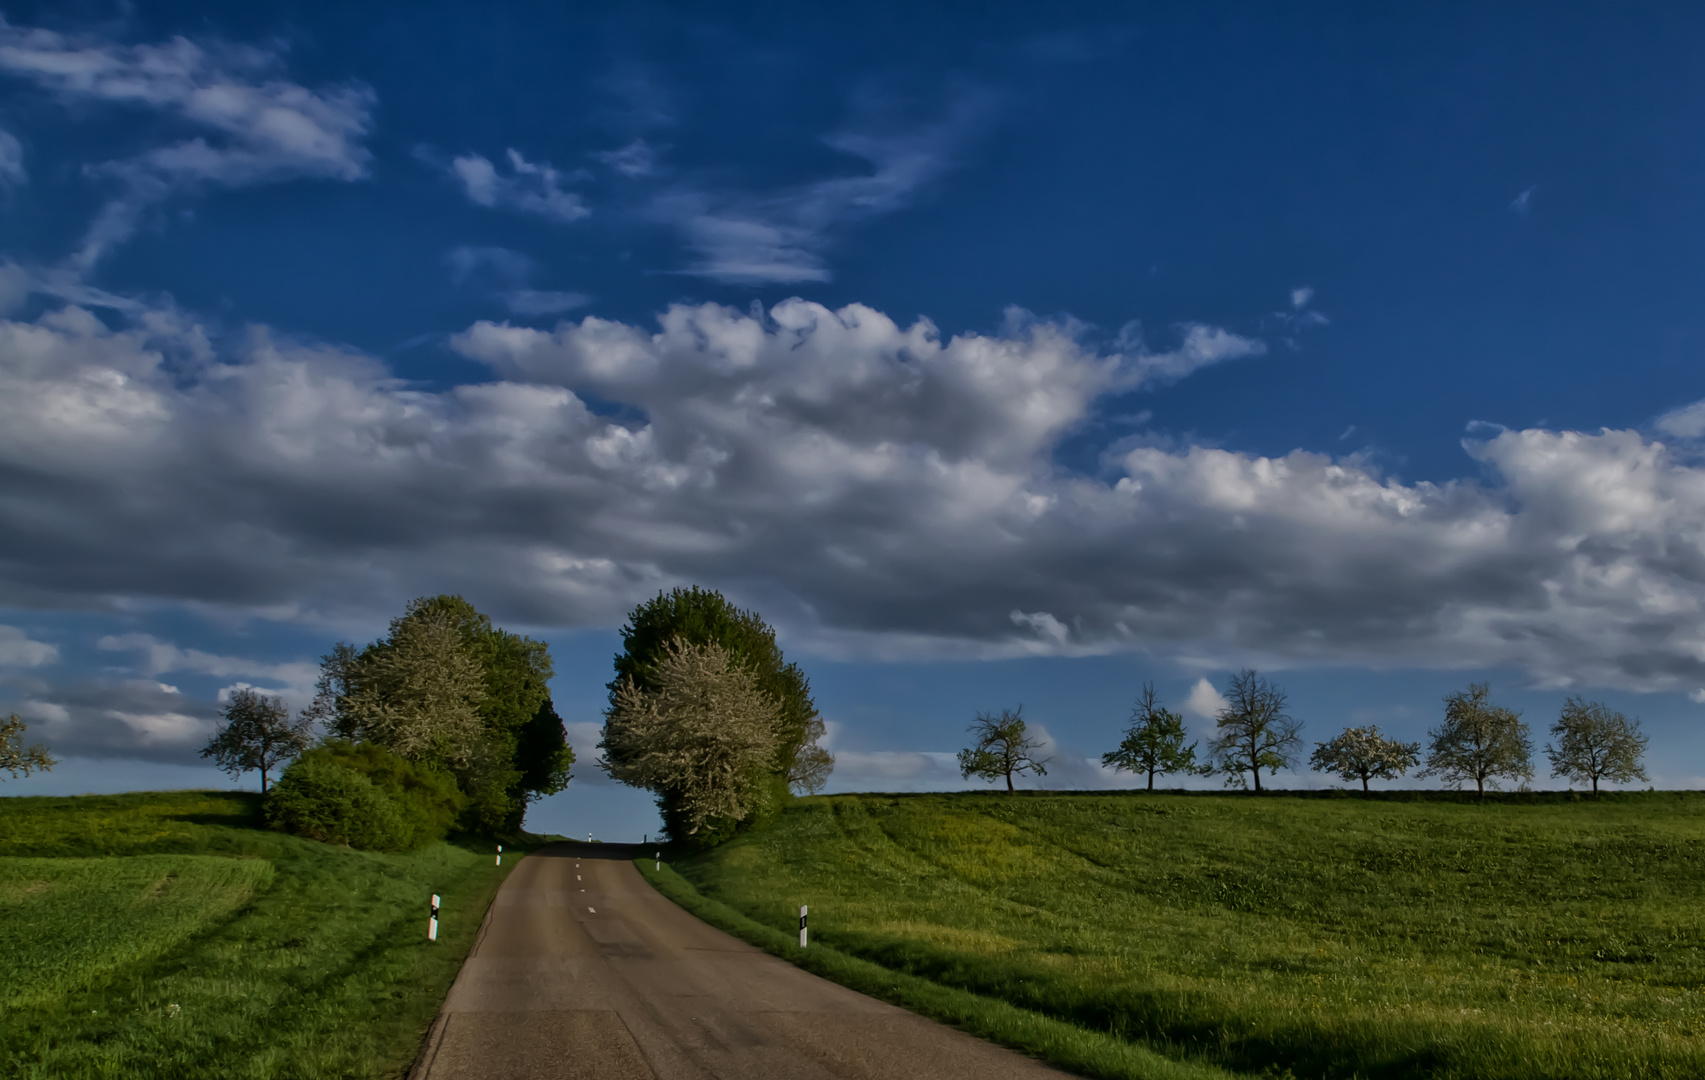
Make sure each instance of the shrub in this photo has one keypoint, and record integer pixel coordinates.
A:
(364, 796)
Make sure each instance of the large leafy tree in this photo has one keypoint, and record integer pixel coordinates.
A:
(1153, 742)
(1254, 731)
(701, 732)
(1595, 742)
(1479, 742)
(17, 758)
(1001, 747)
(697, 616)
(447, 686)
(1362, 753)
(258, 733)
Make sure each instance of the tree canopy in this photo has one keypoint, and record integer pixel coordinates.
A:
(697, 616)
(1254, 730)
(1595, 742)
(702, 732)
(447, 687)
(1153, 742)
(1362, 753)
(17, 758)
(1001, 747)
(1479, 742)
(257, 734)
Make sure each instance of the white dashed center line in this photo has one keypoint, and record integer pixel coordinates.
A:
(593, 910)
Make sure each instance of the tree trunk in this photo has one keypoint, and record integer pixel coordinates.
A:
(1257, 771)
(263, 779)
(1480, 786)
(1009, 781)
(1151, 779)
(1595, 783)
(1364, 783)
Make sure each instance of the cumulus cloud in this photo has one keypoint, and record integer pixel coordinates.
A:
(780, 237)
(876, 489)
(18, 651)
(1204, 701)
(529, 187)
(245, 122)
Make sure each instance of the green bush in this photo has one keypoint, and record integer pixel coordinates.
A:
(364, 796)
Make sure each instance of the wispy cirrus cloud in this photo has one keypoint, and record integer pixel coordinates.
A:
(244, 122)
(781, 236)
(12, 171)
(507, 275)
(527, 187)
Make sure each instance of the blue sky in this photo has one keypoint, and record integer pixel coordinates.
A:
(991, 355)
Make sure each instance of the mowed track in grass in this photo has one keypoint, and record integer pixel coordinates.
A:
(284, 957)
(1523, 936)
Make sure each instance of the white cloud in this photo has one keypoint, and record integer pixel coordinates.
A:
(1202, 346)
(634, 160)
(1523, 204)
(11, 160)
(1204, 701)
(1301, 295)
(780, 237)
(163, 727)
(160, 657)
(530, 187)
(46, 711)
(507, 274)
(875, 489)
(250, 125)
(18, 651)
(1687, 422)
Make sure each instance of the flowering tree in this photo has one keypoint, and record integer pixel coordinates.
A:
(1362, 753)
(702, 736)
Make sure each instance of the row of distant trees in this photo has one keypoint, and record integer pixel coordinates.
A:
(1478, 742)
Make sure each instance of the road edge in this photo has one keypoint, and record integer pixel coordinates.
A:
(1055, 1042)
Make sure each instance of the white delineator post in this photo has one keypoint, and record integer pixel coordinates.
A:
(432, 920)
(499, 855)
(802, 908)
(659, 860)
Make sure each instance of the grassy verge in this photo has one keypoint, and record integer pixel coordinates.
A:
(1332, 937)
(1089, 1053)
(167, 935)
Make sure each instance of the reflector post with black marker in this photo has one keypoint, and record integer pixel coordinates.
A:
(802, 908)
(432, 920)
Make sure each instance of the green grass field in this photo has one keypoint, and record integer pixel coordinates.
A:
(1526, 936)
(168, 935)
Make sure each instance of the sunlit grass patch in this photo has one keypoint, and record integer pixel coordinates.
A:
(65, 921)
(1342, 937)
(167, 935)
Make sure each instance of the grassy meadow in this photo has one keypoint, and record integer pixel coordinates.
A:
(169, 935)
(1402, 936)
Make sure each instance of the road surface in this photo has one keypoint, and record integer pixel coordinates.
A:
(582, 970)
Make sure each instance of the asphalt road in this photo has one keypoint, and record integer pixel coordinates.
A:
(583, 970)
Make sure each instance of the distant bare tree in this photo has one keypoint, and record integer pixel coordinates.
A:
(1362, 753)
(1255, 731)
(706, 734)
(17, 758)
(1596, 743)
(257, 734)
(1154, 741)
(1479, 741)
(1001, 748)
